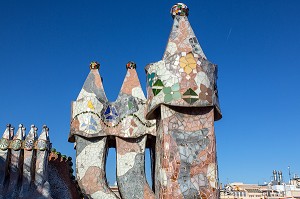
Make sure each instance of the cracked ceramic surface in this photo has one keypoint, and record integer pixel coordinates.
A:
(131, 176)
(183, 98)
(93, 115)
(186, 154)
(180, 110)
(184, 77)
(94, 119)
(90, 167)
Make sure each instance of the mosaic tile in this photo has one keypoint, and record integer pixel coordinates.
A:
(185, 142)
(190, 96)
(4, 143)
(180, 9)
(188, 63)
(29, 158)
(184, 138)
(184, 63)
(90, 167)
(151, 78)
(124, 119)
(179, 111)
(131, 168)
(24, 173)
(171, 93)
(157, 87)
(93, 115)
(131, 65)
(7, 135)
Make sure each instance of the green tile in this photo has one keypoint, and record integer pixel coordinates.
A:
(167, 90)
(190, 100)
(168, 98)
(190, 92)
(175, 87)
(176, 95)
(156, 91)
(158, 83)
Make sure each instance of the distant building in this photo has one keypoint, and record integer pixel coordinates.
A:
(276, 189)
(294, 188)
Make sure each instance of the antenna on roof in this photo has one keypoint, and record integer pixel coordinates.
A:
(289, 168)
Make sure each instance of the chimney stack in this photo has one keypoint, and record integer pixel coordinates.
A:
(279, 177)
(275, 181)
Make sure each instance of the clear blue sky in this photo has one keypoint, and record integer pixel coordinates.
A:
(46, 48)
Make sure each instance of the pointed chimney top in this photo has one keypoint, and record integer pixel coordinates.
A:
(179, 9)
(130, 65)
(94, 65)
(19, 135)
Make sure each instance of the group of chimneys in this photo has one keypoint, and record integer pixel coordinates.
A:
(20, 134)
(277, 177)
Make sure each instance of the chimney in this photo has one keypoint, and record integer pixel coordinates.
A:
(279, 177)
(275, 182)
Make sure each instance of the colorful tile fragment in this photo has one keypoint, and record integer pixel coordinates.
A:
(29, 173)
(124, 119)
(184, 63)
(179, 9)
(182, 98)
(185, 113)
